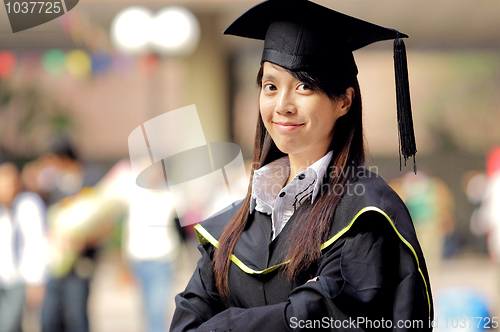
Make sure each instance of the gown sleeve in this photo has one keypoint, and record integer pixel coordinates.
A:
(200, 301)
(355, 284)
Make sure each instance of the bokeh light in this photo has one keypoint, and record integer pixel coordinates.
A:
(53, 61)
(7, 64)
(78, 63)
(130, 30)
(101, 62)
(147, 63)
(123, 64)
(175, 31)
(30, 61)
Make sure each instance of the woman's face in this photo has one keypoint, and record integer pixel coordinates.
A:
(299, 119)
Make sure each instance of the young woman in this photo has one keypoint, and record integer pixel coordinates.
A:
(319, 242)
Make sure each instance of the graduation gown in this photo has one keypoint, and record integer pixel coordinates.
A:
(371, 273)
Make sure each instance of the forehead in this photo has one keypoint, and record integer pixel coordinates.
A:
(271, 70)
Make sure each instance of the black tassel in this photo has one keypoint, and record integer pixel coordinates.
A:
(407, 145)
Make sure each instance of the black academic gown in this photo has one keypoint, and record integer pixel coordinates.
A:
(371, 273)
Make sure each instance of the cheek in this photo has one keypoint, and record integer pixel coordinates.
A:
(326, 119)
(265, 117)
(266, 109)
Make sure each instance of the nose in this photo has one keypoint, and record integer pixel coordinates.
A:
(285, 105)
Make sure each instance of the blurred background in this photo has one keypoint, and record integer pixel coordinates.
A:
(73, 89)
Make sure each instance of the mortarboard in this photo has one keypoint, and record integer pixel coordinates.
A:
(302, 35)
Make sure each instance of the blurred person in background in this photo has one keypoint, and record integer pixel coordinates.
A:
(59, 175)
(431, 207)
(152, 244)
(474, 184)
(23, 249)
(152, 241)
(486, 218)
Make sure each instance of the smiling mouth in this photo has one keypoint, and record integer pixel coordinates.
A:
(287, 126)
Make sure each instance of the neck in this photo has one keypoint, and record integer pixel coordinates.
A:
(299, 162)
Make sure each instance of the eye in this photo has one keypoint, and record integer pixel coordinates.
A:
(304, 87)
(269, 87)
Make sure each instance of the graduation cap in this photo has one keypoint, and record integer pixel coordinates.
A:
(302, 35)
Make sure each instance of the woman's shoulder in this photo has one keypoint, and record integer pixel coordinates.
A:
(371, 190)
(215, 224)
(371, 195)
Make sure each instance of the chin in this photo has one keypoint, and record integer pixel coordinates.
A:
(287, 149)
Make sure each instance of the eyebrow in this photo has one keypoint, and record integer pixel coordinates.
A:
(268, 77)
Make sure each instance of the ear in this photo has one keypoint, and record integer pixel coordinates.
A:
(346, 101)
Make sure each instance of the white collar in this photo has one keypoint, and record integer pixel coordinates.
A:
(268, 180)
